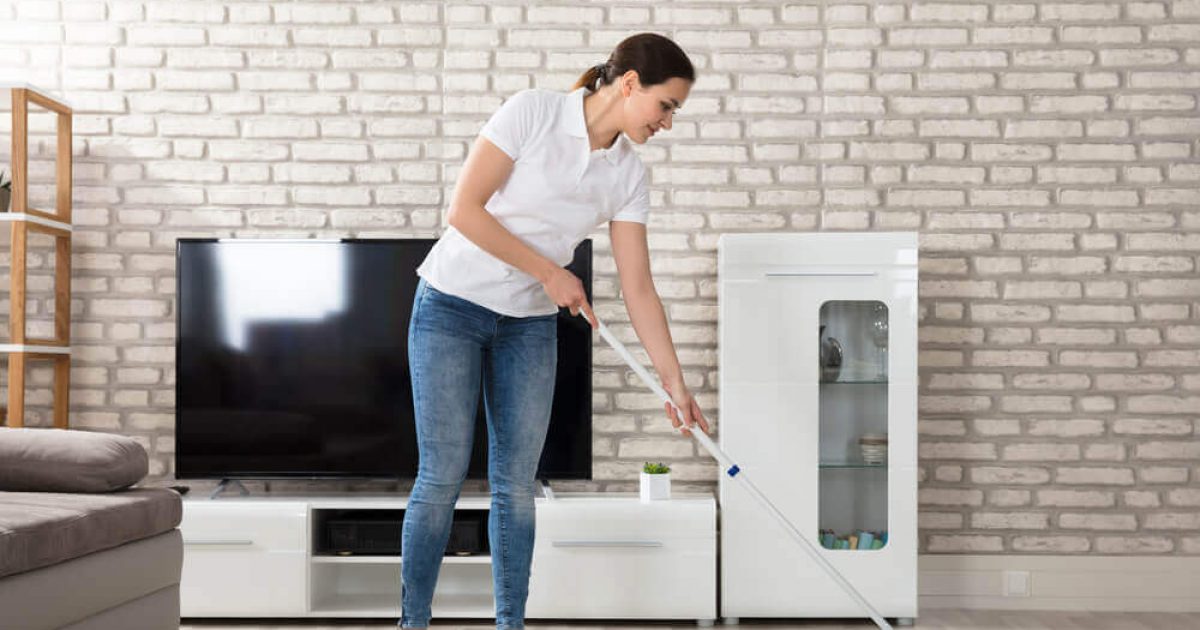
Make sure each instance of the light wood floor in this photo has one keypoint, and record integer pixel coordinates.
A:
(934, 620)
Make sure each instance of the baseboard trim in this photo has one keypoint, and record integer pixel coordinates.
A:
(1104, 583)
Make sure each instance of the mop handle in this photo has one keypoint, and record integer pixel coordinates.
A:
(732, 470)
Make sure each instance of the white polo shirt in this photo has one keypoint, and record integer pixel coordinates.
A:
(559, 191)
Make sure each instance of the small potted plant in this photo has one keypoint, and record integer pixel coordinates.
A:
(656, 482)
(5, 190)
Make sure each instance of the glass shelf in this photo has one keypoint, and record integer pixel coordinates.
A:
(851, 464)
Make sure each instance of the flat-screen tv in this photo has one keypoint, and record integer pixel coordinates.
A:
(292, 362)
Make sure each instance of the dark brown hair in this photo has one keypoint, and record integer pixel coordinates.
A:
(655, 58)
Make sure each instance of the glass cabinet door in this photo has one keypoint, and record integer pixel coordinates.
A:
(853, 425)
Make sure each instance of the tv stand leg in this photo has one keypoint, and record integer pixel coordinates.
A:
(546, 491)
(229, 482)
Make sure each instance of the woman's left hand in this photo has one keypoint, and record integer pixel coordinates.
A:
(687, 404)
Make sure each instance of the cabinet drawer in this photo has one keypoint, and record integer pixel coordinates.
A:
(624, 579)
(245, 527)
(655, 521)
(220, 582)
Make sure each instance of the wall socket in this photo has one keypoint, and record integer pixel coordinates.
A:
(1016, 584)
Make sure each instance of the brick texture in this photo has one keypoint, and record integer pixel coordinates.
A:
(1046, 152)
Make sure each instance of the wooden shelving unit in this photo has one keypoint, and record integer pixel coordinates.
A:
(57, 224)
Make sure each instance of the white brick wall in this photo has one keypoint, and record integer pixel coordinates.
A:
(1047, 152)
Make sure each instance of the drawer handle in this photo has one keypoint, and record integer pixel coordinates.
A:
(607, 543)
(828, 273)
(218, 542)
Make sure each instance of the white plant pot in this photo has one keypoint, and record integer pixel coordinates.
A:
(655, 487)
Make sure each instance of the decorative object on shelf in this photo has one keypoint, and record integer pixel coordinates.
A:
(5, 190)
(831, 357)
(655, 482)
(879, 335)
(874, 447)
(861, 540)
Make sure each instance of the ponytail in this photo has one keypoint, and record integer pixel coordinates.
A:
(654, 57)
(593, 78)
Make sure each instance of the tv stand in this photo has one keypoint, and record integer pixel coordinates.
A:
(228, 483)
(595, 556)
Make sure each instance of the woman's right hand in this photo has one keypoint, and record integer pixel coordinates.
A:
(566, 290)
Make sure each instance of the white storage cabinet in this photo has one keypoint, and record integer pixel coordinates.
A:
(795, 417)
(596, 556)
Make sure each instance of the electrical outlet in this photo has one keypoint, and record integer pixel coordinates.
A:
(1016, 584)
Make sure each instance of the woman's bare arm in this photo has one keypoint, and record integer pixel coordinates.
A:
(641, 299)
(632, 254)
(486, 169)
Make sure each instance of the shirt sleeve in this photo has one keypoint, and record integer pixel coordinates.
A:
(510, 127)
(637, 209)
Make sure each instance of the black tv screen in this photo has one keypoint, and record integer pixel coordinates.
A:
(292, 362)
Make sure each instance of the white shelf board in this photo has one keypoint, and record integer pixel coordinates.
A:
(396, 560)
(8, 84)
(25, 347)
(456, 605)
(33, 218)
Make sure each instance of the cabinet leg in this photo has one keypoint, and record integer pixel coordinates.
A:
(906, 621)
(704, 623)
(731, 621)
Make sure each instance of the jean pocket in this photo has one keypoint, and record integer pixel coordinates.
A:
(440, 297)
(450, 313)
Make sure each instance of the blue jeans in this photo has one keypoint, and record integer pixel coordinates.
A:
(454, 345)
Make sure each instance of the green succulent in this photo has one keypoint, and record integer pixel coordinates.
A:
(656, 469)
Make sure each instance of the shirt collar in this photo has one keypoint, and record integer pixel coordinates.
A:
(572, 121)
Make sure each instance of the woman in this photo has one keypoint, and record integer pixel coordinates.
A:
(546, 169)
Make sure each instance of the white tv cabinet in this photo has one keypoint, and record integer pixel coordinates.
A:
(794, 421)
(596, 556)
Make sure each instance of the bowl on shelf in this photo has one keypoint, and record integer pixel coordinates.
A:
(830, 357)
(873, 447)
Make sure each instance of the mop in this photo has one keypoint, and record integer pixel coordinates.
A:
(737, 474)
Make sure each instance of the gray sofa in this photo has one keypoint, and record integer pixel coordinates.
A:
(80, 548)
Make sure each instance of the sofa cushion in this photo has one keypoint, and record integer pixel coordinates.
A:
(63, 460)
(39, 529)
